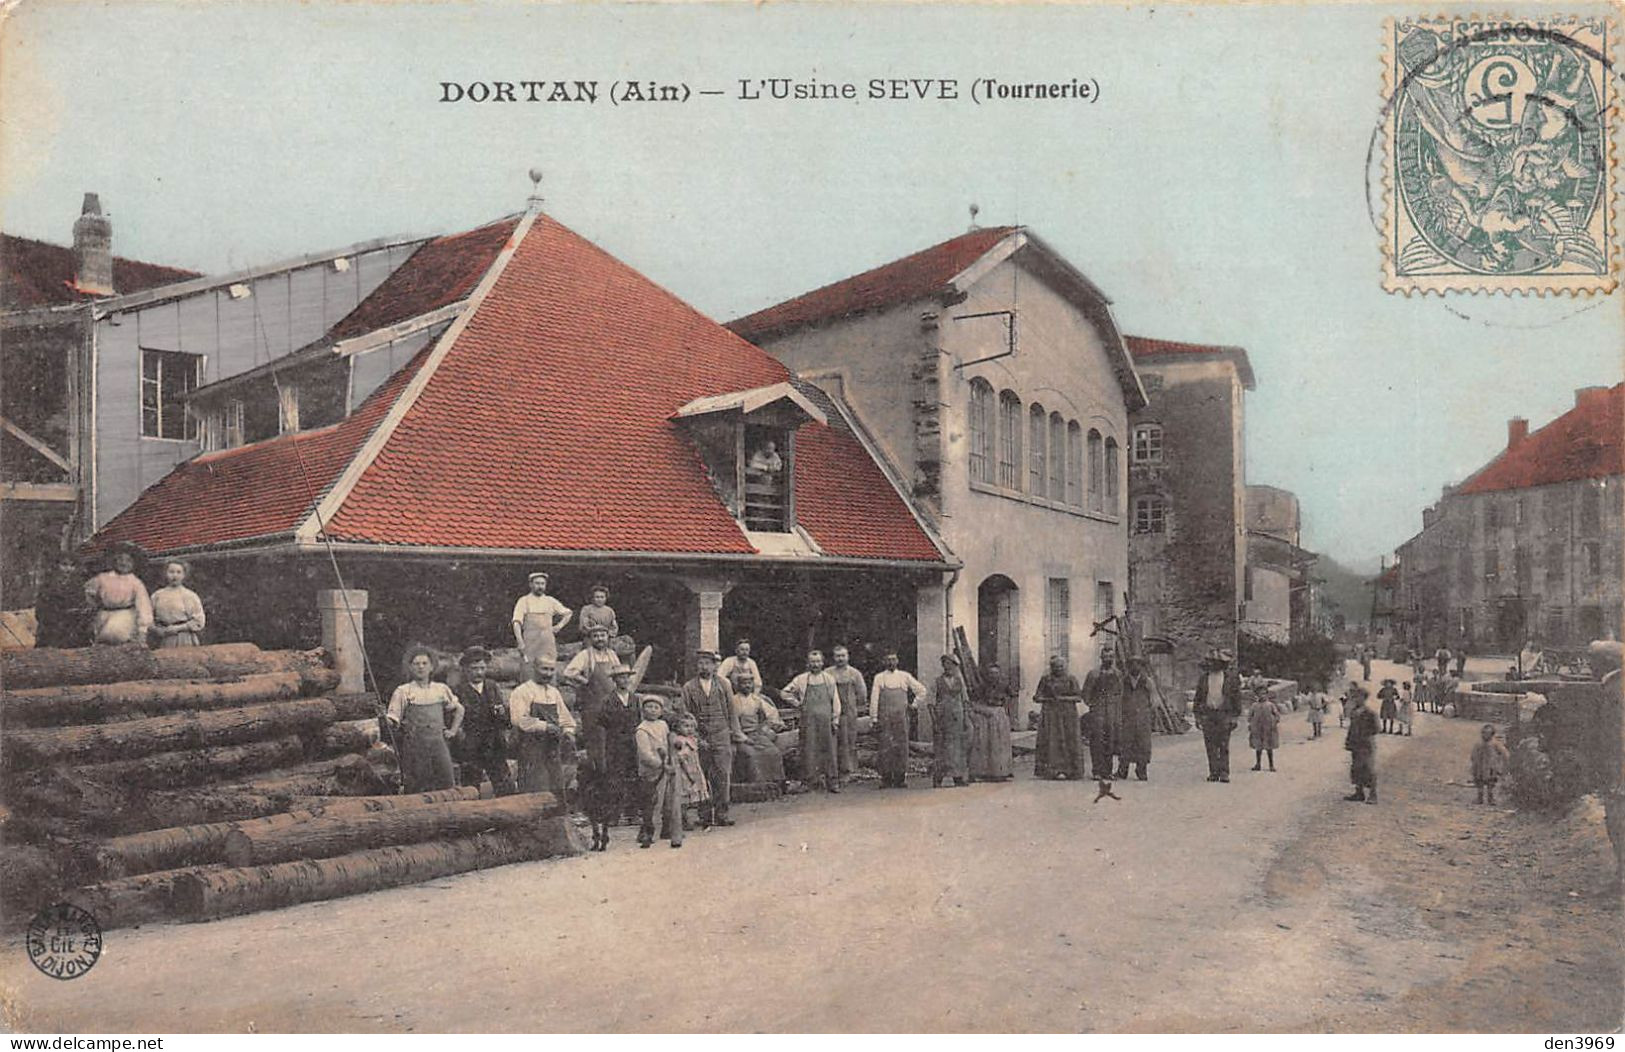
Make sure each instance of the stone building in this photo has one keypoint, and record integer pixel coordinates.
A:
(992, 376)
(1528, 547)
(1187, 500)
(1278, 587)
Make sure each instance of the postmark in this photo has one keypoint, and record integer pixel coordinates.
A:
(64, 941)
(1499, 172)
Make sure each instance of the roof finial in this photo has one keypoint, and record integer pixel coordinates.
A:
(975, 209)
(534, 201)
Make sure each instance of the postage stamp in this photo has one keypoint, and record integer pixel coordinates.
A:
(1499, 173)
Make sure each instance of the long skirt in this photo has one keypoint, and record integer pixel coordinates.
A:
(1060, 745)
(1363, 768)
(891, 719)
(991, 757)
(757, 758)
(116, 626)
(180, 639)
(1134, 745)
(950, 741)
(425, 757)
(818, 761)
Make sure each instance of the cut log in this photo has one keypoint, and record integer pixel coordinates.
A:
(325, 837)
(134, 900)
(22, 669)
(224, 893)
(356, 706)
(196, 806)
(348, 775)
(100, 743)
(200, 844)
(167, 770)
(355, 736)
(92, 703)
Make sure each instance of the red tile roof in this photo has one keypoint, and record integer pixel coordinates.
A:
(1583, 443)
(565, 376)
(441, 272)
(40, 274)
(912, 277)
(1146, 348)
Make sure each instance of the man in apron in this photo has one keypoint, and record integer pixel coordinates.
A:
(849, 681)
(708, 698)
(537, 618)
(815, 692)
(892, 695)
(536, 710)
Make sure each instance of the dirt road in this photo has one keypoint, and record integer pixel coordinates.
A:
(1265, 904)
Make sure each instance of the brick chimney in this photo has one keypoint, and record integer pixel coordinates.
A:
(93, 249)
(1584, 396)
(1517, 431)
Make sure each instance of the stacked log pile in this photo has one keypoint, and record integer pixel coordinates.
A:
(135, 783)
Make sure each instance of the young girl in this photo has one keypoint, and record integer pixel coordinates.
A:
(691, 782)
(1407, 710)
(417, 714)
(1264, 730)
(1489, 763)
(658, 791)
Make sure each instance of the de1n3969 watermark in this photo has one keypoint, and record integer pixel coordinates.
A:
(64, 941)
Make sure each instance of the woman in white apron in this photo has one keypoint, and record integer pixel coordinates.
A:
(537, 618)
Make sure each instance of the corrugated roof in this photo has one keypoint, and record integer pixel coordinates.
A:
(1583, 443)
(40, 274)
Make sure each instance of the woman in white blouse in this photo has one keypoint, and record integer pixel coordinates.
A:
(177, 612)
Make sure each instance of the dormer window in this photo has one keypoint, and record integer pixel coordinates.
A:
(747, 439)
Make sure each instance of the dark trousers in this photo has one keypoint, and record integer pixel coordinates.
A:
(489, 762)
(1216, 736)
(717, 761)
(658, 798)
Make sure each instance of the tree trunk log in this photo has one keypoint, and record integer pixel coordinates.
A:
(357, 706)
(93, 703)
(196, 806)
(134, 900)
(101, 743)
(351, 736)
(348, 775)
(201, 844)
(22, 669)
(224, 893)
(169, 770)
(325, 837)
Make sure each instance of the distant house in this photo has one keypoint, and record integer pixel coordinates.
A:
(994, 380)
(512, 398)
(1528, 547)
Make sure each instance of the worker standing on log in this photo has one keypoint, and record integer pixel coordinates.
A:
(542, 722)
(123, 610)
(849, 681)
(417, 713)
(177, 612)
(537, 619)
(892, 695)
(740, 661)
(486, 724)
(708, 698)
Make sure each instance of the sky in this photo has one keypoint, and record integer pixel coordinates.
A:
(1216, 190)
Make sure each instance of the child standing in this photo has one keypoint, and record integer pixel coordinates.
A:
(1264, 730)
(1407, 710)
(657, 772)
(690, 775)
(1489, 763)
(1317, 712)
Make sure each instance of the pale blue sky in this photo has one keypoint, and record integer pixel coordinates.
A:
(1216, 192)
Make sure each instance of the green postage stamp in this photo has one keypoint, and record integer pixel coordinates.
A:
(1499, 171)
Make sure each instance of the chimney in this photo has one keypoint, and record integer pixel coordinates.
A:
(1585, 396)
(1517, 431)
(93, 249)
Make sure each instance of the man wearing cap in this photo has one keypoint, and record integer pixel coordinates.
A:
(537, 618)
(591, 672)
(609, 726)
(1218, 707)
(708, 698)
(853, 690)
(482, 748)
(740, 661)
(539, 715)
(818, 696)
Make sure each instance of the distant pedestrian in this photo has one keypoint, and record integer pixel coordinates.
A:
(1361, 742)
(537, 618)
(1489, 763)
(1389, 697)
(1407, 710)
(1218, 707)
(854, 696)
(950, 726)
(892, 695)
(1365, 663)
(1461, 661)
(818, 696)
(1103, 693)
(598, 613)
(1441, 658)
(1317, 712)
(123, 609)
(1263, 730)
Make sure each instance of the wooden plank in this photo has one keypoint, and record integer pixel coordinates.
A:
(63, 492)
(37, 445)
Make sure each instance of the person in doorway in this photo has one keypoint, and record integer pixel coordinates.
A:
(1134, 746)
(1361, 743)
(417, 715)
(1263, 729)
(740, 661)
(598, 613)
(177, 612)
(1388, 696)
(950, 726)
(658, 791)
(991, 757)
(998, 689)
(757, 758)
(59, 605)
(892, 695)
(1103, 693)
(609, 721)
(1489, 763)
(537, 619)
(542, 724)
(122, 609)
(1059, 752)
(817, 695)
(1218, 707)
(708, 698)
(482, 749)
(854, 695)
(765, 460)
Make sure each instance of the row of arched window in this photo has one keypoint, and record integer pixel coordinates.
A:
(1062, 464)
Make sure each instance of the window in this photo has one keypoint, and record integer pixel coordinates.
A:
(1010, 425)
(1593, 559)
(768, 470)
(1464, 570)
(1105, 600)
(1519, 510)
(1150, 515)
(1057, 457)
(1590, 512)
(1492, 515)
(1058, 618)
(981, 417)
(1111, 476)
(1097, 472)
(1247, 584)
(166, 376)
(1074, 464)
(1148, 444)
(1556, 563)
(1556, 627)
(1036, 444)
(1492, 565)
(1522, 569)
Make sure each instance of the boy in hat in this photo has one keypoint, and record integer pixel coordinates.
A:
(657, 779)
(482, 748)
(1218, 707)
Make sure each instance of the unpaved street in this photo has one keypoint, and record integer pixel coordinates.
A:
(1265, 904)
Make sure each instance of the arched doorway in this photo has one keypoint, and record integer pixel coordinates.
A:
(998, 625)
